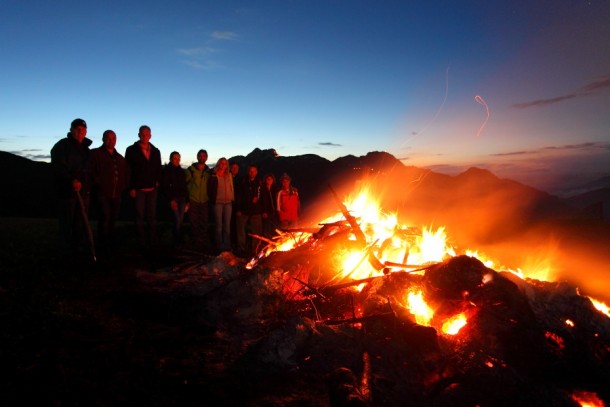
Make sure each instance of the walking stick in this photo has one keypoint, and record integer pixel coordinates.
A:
(87, 225)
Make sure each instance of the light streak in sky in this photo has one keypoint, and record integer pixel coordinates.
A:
(480, 100)
(418, 133)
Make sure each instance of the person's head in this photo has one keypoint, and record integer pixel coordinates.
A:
(78, 130)
(269, 180)
(252, 172)
(222, 165)
(109, 140)
(174, 158)
(202, 156)
(234, 169)
(285, 180)
(144, 134)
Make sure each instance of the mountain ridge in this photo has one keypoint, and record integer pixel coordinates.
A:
(415, 189)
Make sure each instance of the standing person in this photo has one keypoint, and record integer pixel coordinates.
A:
(110, 176)
(249, 211)
(197, 176)
(269, 205)
(145, 164)
(173, 186)
(288, 203)
(221, 194)
(69, 160)
(234, 170)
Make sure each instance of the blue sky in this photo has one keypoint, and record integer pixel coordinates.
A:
(521, 88)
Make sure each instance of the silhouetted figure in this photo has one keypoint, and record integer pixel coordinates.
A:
(197, 177)
(269, 206)
(145, 164)
(234, 170)
(249, 212)
(173, 186)
(69, 160)
(110, 176)
(222, 194)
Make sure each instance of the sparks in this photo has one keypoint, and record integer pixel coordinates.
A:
(481, 101)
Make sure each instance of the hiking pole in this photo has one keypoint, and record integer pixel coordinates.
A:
(87, 224)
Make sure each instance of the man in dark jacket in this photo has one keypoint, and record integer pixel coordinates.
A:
(249, 211)
(69, 158)
(144, 161)
(110, 177)
(173, 186)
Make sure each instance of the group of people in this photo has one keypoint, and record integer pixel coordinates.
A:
(243, 209)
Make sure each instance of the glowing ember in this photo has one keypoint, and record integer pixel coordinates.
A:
(587, 399)
(417, 306)
(570, 323)
(453, 325)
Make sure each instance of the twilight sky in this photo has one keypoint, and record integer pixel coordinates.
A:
(521, 88)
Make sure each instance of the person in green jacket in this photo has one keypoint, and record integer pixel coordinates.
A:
(197, 176)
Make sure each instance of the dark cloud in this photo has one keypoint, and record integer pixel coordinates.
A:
(586, 90)
(329, 144)
(544, 102)
(512, 153)
(39, 157)
(597, 85)
(567, 147)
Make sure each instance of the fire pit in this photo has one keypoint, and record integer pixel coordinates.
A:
(363, 311)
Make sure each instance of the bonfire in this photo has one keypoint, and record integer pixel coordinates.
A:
(391, 314)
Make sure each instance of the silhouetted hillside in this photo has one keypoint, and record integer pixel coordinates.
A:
(26, 188)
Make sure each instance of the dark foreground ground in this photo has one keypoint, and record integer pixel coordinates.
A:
(98, 335)
(92, 334)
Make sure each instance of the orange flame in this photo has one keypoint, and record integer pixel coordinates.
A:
(587, 399)
(407, 247)
(453, 325)
(419, 309)
(600, 306)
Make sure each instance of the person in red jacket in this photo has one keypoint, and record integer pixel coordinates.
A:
(288, 203)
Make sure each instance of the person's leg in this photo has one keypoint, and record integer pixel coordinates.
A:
(256, 228)
(179, 219)
(195, 219)
(218, 216)
(140, 206)
(240, 231)
(103, 224)
(205, 226)
(226, 226)
(151, 215)
(65, 216)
